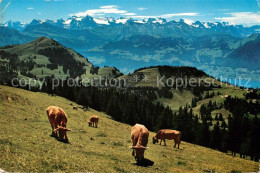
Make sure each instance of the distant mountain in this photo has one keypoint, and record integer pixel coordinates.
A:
(152, 26)
(149, 50)
(80, 39)
(14, 25)
(247, 55)
(10, 36)
(215, 54)
(128, 44)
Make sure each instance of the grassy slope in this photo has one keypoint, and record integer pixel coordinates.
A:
(26, 145)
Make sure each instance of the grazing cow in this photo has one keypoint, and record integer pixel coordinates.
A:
(168, 134)
(139, 135)
(93, 121)
(75, 107)
(58, 121)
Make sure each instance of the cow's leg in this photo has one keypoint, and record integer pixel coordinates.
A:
(179, 144)
(160, 141)
(56, 133)
(52, 133)
(175, 142)
(134, 141)
(133, 153)
(164, 142)
(66, 137)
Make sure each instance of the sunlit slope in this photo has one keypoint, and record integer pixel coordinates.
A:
(26, 145)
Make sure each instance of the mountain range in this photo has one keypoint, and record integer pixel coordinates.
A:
(218, 48)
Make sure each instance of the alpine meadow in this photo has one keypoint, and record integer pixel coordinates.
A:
(129, 86)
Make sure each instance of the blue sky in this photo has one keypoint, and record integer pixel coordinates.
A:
(245, 12)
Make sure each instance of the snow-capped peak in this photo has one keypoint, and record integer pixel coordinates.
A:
(121, 20)
(187, 21)
(78, 23)
(155, 20)
(102, 21)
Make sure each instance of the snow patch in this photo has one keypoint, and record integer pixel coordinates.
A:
(101, 21)
(188, 22)
(67, 22)
(123, 21)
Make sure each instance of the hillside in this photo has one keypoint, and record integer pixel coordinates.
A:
(45, 57)
(26, 145)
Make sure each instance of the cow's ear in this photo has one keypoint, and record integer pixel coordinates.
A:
(69, 130)
(132, 147)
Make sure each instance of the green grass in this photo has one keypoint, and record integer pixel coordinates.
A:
(26, 145)
(179, 99)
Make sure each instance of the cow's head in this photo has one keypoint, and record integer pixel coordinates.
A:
(155, 140)
(62, 132)
(138, 151)
(89, 123)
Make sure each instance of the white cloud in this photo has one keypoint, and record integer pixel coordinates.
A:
(114, 9)
(30, 8)
(39, 13)
(258, 3)
(109, 9)
(244, 18)
(141, 8)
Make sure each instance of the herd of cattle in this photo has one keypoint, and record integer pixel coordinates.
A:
(139, 133)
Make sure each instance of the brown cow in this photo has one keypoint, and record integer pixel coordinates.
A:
(139, 135)
(168, 134)
(58, 121)
(93, 121)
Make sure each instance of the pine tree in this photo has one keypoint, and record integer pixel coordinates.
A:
(203, 137)
(215, 140)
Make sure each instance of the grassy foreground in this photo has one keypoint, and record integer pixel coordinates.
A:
(26, 145)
